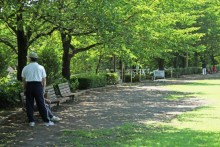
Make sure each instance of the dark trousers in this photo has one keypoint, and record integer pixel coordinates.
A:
(34, 91)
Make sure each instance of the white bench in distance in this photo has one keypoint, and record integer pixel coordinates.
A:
(159, 74)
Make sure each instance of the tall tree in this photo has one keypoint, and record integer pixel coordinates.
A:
(166, 27)
(21, 19)
(210, 26)
(83, 25)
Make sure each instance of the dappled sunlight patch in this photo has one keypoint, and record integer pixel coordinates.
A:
(175, 97)
(88, 103)
(200, 125)
(206, 118)
(203, 119)
(209, 81)
(140, 135)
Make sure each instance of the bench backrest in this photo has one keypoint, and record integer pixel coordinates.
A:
(64, 88)
(23, 98)
(51, 92)
(159, 73)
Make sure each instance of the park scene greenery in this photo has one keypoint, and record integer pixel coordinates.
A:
(93, 38)
(95, 43)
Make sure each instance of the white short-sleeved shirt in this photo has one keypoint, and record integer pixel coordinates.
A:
(33, 72)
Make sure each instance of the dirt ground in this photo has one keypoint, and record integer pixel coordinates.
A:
(101, 108)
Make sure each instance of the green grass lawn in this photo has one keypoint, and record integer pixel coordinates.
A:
(206, 118)
(200, 127)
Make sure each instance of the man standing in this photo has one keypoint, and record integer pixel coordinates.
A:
(203, 68)
(34, 82)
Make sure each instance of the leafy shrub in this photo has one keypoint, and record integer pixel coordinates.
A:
(85, 83)
(74, 83)
(218, 68)
(91, 81)
(148, 76)
(177, 72)
(112, 78)
(9, 92)
(168, 73)
(51, 61)
(4, 58)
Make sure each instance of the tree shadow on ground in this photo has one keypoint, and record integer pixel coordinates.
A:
(130, 104)
(100, 108)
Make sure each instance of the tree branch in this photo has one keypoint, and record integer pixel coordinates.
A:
(11, 27)
(41, 35)
(84, 33)
(7, 43)
(131, 16)
(77, 50)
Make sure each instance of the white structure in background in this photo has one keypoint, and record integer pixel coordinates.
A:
(159, 74)
(10, 70)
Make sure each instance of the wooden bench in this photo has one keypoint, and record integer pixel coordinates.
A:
(53, 102)
(53, 96)
(64, 89)
(158, 73)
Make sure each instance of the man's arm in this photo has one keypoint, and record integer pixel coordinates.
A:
(24, 85)
(44, 82)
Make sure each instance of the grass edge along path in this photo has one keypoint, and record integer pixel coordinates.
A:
(195, 128)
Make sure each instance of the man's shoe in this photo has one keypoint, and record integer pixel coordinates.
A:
(50, 123)
(31, 124)
(54, 118)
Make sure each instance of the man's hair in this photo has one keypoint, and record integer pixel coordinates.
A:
(33, 59)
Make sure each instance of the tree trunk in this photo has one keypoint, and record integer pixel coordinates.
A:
(175, 60)
(183, 62)
(114, 63)
(161, 64)
(22, 47)
(66, 40)
(196, 59)
(121, 67)
(99, 62)
(212, 59)
(187, 60)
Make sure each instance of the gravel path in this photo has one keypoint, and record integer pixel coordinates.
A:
(101, 108)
